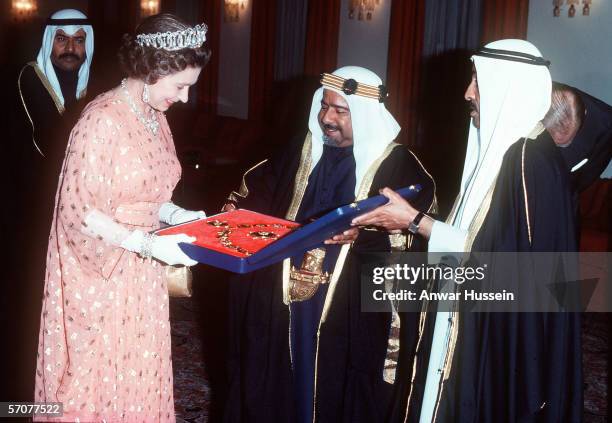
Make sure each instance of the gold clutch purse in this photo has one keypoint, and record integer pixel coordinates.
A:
(179, 280)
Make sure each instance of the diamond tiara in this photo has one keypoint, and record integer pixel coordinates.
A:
(177, 40)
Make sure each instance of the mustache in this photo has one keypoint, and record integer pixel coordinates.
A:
(69, 56)
(472, 106)
(330, 127)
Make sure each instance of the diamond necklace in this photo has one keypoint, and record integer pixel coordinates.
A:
(150, 123)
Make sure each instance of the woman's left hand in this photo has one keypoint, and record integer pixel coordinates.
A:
(184, 215)
(172, 214)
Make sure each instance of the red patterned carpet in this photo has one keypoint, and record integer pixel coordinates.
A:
(192, 394)
(595, 364)
(191, 382)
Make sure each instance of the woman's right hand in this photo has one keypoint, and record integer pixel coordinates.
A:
(164, 248)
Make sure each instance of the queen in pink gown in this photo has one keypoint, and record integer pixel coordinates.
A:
(104, 344)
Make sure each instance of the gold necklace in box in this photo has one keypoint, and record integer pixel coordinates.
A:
(224, 233)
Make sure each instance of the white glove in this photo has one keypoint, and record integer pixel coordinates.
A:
(164, 248)
(174, 215)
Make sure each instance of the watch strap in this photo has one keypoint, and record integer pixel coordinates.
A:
(413, 228)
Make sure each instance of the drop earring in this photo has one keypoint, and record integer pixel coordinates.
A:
(145, 94)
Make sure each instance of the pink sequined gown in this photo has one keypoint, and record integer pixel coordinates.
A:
(104, 343)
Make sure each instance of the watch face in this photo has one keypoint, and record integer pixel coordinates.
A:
(413, 229)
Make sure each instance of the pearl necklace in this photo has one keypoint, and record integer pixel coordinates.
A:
(150, 123)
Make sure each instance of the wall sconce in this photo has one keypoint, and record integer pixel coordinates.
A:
(557, 9)
(586, 8)
(572, 9)
(149, 7)
(362, 7)
(231, 10)
(23, 9)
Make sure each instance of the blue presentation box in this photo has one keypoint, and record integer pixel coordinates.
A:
(297, 242)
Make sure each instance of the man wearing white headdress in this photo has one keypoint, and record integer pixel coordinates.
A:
(52, 91)
(47, 109)
(59, 76)
(300, 349)
(514, 197)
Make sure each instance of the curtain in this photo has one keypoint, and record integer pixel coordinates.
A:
(263, 41)
(451, 25)
(452, 33)
(404, 65)
(291, 23)
(211, 15)
(504, 19)
(323, 24)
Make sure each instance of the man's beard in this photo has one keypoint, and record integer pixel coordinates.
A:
(472, 107)
(327, 140)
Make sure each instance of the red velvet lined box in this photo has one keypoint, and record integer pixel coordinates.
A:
(256, 240)
(244, 232)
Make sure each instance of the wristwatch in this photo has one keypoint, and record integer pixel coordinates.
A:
(413, 228)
